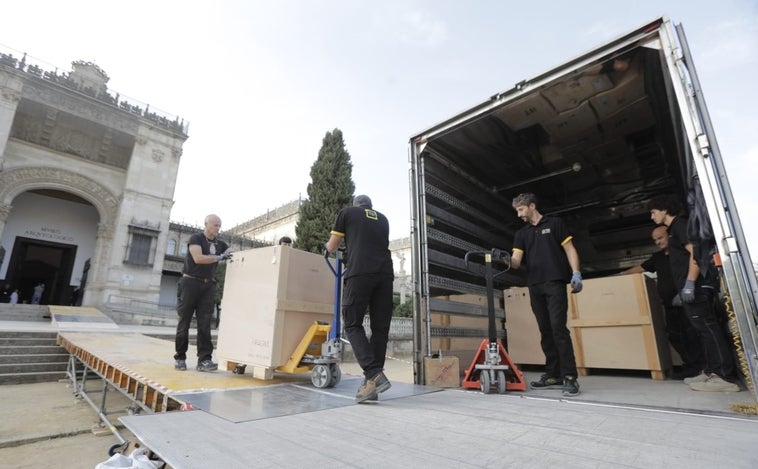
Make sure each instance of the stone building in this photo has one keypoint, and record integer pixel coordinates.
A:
(272, 225)
(87, 181)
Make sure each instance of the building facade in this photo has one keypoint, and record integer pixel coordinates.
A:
(272, 225)
(87, 182)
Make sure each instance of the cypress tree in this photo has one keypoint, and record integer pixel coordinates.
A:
(331, 189)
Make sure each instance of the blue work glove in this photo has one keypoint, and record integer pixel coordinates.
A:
(223, 257)
(688, 292)
(576, 282)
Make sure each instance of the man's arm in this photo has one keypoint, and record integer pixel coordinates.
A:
(694, 270)
(334, 242)
(572, 255)
(516, 257)
(197, 255)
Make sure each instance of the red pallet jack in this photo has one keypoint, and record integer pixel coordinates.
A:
(322, 337)
(492, 367)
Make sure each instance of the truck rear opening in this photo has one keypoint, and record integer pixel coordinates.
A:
(595, 138)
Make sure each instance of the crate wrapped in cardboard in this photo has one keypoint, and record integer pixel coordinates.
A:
(272, 295)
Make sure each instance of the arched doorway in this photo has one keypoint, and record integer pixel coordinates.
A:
(50, 235)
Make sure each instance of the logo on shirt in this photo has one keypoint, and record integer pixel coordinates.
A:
(371, 214)
(545, 231)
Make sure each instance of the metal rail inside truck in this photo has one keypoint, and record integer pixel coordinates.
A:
(595, 142)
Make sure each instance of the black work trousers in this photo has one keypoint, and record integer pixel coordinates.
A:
(718, 354)
(372, 291)
(550, 306)
(194, 298)
(684, 338)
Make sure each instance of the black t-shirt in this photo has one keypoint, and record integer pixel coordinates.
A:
(542, 245)
(679, 256)
(659, 263)
(366, 234)
(208, 247)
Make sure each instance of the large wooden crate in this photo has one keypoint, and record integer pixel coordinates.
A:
(521, 328)
(272, 295)
(617, 323)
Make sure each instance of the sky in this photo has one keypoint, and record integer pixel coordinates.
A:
(262, 82)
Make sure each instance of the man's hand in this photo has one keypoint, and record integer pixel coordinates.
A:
(223, 257)
(688, 292)
(576, 282)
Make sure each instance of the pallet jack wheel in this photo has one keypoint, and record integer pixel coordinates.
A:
(239, 369)
(501, 381)
(484, 381)
(336, 374)
(117, 448)
(321, 376)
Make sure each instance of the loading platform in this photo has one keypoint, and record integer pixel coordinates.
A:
(192, 419)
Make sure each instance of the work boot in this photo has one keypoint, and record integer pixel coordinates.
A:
(570, 386)
(546, 381)
(207, 365)
(370, 388)
(180, 365)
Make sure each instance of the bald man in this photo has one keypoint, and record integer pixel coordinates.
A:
(196, 294)
(682, 336)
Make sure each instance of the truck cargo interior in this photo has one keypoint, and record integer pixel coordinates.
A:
(594, 147)
(595, 139)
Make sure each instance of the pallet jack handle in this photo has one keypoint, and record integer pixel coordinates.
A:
(498, 255)
(339, 271)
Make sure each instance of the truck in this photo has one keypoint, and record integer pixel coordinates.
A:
(596, 138)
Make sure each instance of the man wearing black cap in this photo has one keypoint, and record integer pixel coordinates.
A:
(368, 284)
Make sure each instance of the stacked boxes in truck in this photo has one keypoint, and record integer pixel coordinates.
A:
(596, 138)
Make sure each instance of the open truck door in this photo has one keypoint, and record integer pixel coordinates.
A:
(596, 142)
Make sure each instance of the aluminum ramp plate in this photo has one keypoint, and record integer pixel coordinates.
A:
(240, 405)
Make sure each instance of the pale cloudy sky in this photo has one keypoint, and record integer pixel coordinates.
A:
(261, 82)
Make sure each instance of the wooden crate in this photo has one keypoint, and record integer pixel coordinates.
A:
(617, 323)
(521, 326)
(272, 295)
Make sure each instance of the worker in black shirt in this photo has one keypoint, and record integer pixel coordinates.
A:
(545, 246)
(697, 299)
(682, 336)
(368, 284)
(196, 294)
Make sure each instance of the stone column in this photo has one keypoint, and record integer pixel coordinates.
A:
(5, 211)
(95, 292)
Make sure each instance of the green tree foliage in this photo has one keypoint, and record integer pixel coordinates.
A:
(330, 190)
(402, 310)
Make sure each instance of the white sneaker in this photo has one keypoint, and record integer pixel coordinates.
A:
(715, 383)
(701, 378)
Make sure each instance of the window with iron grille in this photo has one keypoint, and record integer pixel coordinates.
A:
(141, 248)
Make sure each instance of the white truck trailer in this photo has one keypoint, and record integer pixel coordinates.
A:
(596, 138)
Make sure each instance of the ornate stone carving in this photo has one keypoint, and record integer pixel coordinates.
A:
(158, 155)
(176, 152)
(5, 211)
(16, 181)
(11, 96)
(79, 107)
(141, 140)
